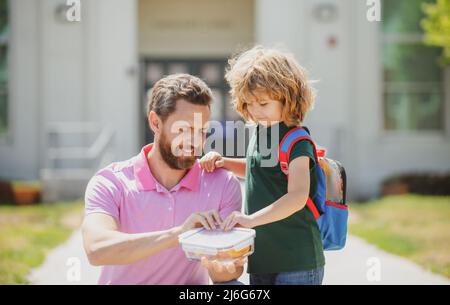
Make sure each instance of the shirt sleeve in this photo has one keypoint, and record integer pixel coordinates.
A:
(303, 148)
(103, 195)
(231, 197)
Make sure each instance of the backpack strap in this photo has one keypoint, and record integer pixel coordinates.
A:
(287, 143)
(284, 150)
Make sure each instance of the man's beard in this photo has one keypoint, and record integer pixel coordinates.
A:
(174, 162)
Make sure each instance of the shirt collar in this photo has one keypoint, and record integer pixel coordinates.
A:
(146, 181)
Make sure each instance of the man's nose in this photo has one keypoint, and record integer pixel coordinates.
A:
(194, 139)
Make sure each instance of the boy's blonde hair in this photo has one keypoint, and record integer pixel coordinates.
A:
(274, 73)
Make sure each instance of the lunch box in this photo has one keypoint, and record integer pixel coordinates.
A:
(217, 244)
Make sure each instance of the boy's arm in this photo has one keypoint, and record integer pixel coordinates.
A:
(213, 160)
(292, 202)
(235, 165)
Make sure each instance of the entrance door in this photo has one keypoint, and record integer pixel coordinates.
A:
(210, 70)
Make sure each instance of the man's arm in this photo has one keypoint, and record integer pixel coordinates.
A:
(105, 245)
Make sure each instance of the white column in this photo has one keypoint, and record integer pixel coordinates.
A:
(19, 154)
(283, 22)
(119, 74)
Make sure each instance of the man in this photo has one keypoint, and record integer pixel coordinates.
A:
(136, 209)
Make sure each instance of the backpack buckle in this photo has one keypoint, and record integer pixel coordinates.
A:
(284, 167)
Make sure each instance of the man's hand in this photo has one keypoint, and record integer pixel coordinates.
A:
(209, 220)
(220, 272)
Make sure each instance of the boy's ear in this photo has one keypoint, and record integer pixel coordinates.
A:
(155, 122)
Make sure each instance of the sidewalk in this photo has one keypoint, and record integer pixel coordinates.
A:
(349, 266)
(360, 263)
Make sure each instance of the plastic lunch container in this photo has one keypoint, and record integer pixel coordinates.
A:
(335, 178)
(217, 244)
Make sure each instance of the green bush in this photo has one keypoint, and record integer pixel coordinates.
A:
(437, 27)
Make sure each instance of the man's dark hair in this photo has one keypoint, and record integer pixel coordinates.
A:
(168, 90)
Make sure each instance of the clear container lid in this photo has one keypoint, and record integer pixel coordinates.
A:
(217, 240)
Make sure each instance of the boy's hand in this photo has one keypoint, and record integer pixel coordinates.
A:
(237, 219)
(211, 161)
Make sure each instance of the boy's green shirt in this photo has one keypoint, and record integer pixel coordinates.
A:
(294, 243)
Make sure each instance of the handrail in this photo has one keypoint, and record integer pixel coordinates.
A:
(98, 150)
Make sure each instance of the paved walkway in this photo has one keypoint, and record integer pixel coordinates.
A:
(360, 263)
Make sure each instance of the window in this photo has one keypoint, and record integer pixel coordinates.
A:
(413, 79)
(4, 33)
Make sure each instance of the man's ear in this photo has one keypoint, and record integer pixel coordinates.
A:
(155, 122)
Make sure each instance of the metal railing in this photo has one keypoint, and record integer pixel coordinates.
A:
(76, 149)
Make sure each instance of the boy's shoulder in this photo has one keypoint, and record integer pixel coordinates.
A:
(303, 148)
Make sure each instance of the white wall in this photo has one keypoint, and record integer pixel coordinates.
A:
(384, 153)
(329, 65)
(73, 72)
(348, 117)
(283, 23)
(19, 153)
(118, 72)
(194, 28)
(293, 24)
(70, 72)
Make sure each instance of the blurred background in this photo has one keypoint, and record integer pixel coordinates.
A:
(73, 96)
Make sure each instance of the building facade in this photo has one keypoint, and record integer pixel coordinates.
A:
(74, 92)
